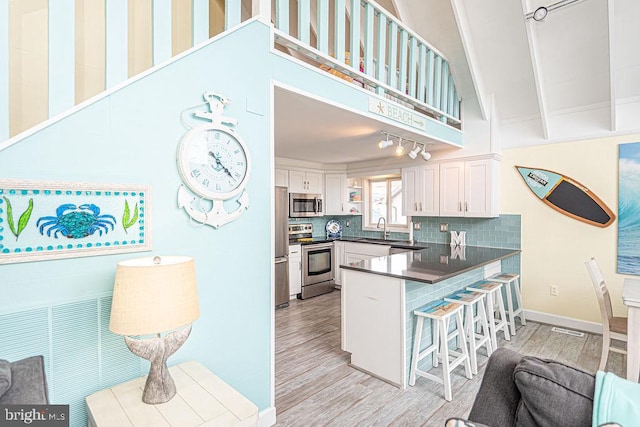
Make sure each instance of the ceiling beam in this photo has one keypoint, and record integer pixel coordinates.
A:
(462, 21)
(537, 72)
(612, 70)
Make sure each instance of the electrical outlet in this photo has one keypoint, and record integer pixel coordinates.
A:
(416, 226)
(553, 290)
(444, 227)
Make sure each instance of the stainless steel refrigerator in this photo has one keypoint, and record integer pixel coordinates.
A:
(281, 219)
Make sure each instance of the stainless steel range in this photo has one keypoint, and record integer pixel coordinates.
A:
(317, 261)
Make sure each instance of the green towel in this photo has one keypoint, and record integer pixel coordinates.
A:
(616, 400)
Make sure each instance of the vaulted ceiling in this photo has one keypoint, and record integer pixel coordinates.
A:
(573, 75)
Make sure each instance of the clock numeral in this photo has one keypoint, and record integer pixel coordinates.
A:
(237, 175)
(196, 173)
(218, 187)
(237, 151)
(205, 182)
(240, 163)
(217, 135)
(228, 141)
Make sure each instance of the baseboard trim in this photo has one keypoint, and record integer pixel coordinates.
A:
(267, 417)
(564, 322)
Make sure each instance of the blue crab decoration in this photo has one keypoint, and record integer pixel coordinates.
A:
(76, 222)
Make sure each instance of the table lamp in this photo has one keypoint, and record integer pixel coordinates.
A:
(155, 295)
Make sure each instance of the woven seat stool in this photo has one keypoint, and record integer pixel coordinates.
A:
(476, 340)
(440, 312)
(494, 303)
(511, 282)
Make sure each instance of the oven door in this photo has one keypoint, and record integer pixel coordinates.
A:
(317, 263)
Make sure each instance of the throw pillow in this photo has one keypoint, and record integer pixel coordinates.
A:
(553, 393)
(5, 376)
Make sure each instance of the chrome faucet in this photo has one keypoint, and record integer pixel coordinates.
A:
(385, 233)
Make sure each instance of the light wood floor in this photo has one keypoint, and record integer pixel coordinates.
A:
(315, 385)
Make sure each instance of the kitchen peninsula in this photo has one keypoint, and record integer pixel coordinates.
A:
(379, 296)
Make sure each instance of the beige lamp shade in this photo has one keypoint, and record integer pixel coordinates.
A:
(153, 295)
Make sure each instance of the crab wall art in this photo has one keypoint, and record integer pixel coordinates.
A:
(51, 220)
(76, 222)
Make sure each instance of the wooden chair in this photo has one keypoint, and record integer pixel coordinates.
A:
(612, 327)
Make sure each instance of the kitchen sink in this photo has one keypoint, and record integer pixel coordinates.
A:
(401, 243)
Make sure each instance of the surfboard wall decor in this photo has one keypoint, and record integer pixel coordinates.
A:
(567, 196)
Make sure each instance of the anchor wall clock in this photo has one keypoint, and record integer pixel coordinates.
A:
(214, 163)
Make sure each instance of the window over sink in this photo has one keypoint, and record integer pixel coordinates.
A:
(383, 199)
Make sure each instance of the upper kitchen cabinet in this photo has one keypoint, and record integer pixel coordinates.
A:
(421, 190)
(335, 194)
(469, 188)
(305, 182)
(282, 178)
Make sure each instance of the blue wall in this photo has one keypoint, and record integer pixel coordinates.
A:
(131, 137)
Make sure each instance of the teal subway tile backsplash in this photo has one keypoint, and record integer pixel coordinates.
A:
(501, 232)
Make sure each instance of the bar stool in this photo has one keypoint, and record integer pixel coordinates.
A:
(493, 291)
(440, 312)
(476, 340)
(511, 281)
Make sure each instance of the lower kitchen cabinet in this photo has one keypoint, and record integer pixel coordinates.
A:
(295, 270)
(338, 260)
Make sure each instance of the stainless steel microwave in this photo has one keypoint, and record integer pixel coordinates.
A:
(305, 205)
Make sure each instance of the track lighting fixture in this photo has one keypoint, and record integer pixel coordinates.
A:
(541, 12)
(414, 152)
(418, 147)
(384, 143)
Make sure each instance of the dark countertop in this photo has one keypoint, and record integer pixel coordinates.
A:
(403, 244)
(433, 264)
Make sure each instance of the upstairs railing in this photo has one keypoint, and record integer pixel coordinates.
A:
(56, 54)
(390, 58)
(89, 46)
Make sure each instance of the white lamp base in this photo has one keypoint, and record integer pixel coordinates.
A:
(159, 387)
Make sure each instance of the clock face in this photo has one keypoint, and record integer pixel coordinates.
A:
(213, 162)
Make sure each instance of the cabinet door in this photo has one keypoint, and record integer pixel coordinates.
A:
(295, 275)
(282, 178)
(314, 182)
(411, 191)
(480, 194)
(430, 191)
(338, 252)
(451, 189)
(297, 182)
(335, 199)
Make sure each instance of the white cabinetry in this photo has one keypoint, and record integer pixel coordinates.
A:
(421, 190)
(469, 188)
(338, 260)
(335, 194)
(282, 178)
(305, 182)
(295, 270)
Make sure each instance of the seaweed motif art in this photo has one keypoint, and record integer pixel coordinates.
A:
(76, 222)
(127, 219)
(22, 221)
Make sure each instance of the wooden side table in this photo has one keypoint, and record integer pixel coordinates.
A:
(202, 399)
